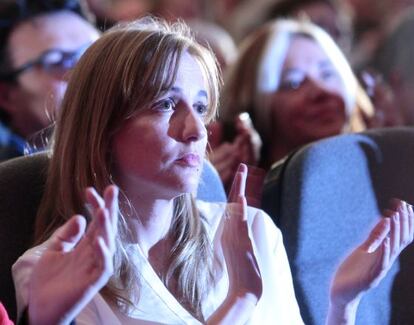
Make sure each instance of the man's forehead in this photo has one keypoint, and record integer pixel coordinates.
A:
(62, 30)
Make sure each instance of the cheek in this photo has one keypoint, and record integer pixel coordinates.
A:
(286, 109)
(133, 145)
(337, 88)
(43, 86)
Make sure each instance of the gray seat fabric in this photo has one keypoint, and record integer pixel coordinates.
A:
(21, 186)
(210, 188)
(325, 198)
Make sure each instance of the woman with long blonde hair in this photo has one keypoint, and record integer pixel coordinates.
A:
(134, 118)
(297, 86)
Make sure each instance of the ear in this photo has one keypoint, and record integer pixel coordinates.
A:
(6, 96)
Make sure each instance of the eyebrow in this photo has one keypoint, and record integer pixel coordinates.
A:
(321, 64)
(202, 93)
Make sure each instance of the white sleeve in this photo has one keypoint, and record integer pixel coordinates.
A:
(278, 303)
(22, 270)
(97, 312)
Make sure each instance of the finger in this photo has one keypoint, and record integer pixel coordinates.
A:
(104, 254)
(221, 152)
(377, 235)
(94, 199)
(101, 226)
(404, 226)
(243, 205)
(243, 122)
(68, 235)
(411, 222)
(395, 204)
(395, 234)
(239, 184)
(111, 203)
(386, 254)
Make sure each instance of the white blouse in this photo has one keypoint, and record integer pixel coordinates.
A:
(158, 306)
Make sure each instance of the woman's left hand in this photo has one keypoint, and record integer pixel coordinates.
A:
(77, 262)
(369, 263)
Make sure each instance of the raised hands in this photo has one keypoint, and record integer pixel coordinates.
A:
(77, 262)
(369, 263)
(245, 282)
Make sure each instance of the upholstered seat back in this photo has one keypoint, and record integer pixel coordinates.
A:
(325, 198)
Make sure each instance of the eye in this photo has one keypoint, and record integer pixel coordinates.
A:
(201, 108)
(327, 74)
(165, 105)
(291, 84)
(292, 81)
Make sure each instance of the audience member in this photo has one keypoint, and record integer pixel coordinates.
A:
(394, 60)
(40, 42)
(373, 20)
(296, 85)
(331, 15)
(217, 38)
(173, 260)
(110, 12)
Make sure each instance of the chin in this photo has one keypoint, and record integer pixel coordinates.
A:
(185, 187)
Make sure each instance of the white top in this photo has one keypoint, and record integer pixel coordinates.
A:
(158, 306)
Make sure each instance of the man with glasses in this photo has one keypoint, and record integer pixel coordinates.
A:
(40, 41)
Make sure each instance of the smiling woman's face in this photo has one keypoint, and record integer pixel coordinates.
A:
(309, 103)
(159, 152)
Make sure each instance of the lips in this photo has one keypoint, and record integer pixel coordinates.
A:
(189, 160)
(328, 111)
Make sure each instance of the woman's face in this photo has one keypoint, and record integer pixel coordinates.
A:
(309, 103)
(159, 152)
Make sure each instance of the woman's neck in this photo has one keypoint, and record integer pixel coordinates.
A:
(150, 223)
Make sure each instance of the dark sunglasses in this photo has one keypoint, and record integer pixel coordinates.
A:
(53, 61)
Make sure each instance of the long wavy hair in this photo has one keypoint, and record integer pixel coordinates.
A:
(128, 68)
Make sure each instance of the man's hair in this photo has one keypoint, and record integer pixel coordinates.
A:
(14, 12)
(285, 8)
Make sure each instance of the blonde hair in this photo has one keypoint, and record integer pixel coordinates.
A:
(128, 68)
(257, 71)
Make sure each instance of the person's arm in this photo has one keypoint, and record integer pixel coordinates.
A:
(76, 263)
(245, 283)
(369, 263)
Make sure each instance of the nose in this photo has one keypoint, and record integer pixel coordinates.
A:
(193, 128)
(318, 90)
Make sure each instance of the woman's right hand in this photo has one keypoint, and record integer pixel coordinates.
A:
(245, 282)
(77, 262)
(242, 266)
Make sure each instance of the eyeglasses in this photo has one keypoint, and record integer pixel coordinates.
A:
(53, 61)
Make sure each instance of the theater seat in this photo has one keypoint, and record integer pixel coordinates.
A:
(325, 198)
(21, 186)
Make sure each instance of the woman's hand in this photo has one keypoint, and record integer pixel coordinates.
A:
(369, 263)
(245, 282)
(244, 273)
(244, 148)
(75, 264)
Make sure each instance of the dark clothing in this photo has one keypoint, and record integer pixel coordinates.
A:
(11, 144)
